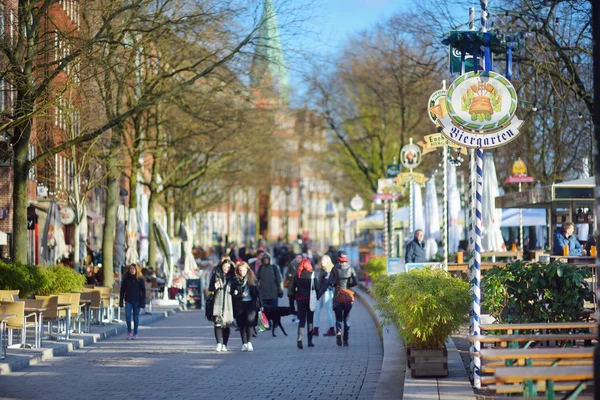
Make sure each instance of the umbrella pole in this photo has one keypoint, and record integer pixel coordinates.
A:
(520, 223)
(386, 230)
(411, 207)
(445, 216)
(476, 278)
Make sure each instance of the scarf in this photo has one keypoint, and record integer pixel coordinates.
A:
(223, 309)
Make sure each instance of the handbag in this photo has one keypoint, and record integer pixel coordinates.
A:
(342, 296)
(313, 293)
(287, 282)
(210, 305)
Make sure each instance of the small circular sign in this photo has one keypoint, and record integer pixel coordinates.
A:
(357, 203)
(67, 215)
(410, 156)
(481, 101)
(436, 106)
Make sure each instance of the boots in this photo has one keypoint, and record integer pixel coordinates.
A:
(330, 332)
(338, 337)
(346, 342)
(346, 334)
(315, 331)
(310, 336)
(299, 339)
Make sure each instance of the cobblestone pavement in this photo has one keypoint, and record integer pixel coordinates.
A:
(175, 359)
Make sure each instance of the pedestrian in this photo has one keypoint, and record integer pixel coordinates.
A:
(133, 295)
(246, 302)
(325, 298)
(269, 281)
(342, 279)
(220, 285)
(255, 264)
(301, 287)
(290, 273)
(415, 249)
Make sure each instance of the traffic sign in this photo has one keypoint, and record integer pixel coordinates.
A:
(392, 170)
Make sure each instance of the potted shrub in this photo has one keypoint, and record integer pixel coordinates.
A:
(376, 267)
(427, 305)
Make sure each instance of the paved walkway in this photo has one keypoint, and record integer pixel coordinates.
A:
(175, 359)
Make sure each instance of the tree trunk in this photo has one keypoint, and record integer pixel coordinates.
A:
(20, 180)
(151, 238)
(110, 218)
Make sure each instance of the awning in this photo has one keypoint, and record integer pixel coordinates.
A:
(577, 190)
(3, 239)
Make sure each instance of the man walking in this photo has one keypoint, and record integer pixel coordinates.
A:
(269, 282)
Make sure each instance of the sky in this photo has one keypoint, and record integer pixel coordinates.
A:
(330, 24)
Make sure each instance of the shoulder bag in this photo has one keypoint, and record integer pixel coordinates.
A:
(343, 296)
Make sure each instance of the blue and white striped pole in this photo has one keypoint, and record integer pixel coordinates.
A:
(476, 279)
(471, 222)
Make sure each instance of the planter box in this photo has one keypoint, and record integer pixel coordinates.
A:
(427, 363)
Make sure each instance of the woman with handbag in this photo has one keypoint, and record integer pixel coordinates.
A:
(305, 287)
(325, 296)
(342, 279)
(246, 302)
(222, 315)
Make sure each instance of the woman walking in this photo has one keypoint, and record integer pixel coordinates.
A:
(301, 287)
(325, 298)
(133, 293)
(220, 285)
(342, 279)
(246, 302)
(290, 273)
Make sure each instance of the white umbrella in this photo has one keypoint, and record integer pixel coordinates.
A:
(119, 256)
(53, 239)
(454, 228)
(432, 220)
(418, 214)
(143, 228)
(492, 217)
(164, 245)
(189, 264)
(131, 256)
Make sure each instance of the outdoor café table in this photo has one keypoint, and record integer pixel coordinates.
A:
(521, 355)
(574, 259)
(40, 317)
(85, 308)
(3, 321)
(65, 307)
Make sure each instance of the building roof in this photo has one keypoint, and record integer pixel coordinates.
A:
(268, 67)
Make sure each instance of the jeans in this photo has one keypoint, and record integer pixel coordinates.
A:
(342, 314)
(325, 303)
(305, 316)
(135, 307)
(270, 302)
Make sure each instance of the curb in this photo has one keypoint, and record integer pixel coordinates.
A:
(18, 359)
(393, 366)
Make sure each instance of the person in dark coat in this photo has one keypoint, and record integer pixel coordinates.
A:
(220, 285)
(270, 281)
(343, 277)
(290, 273)
(133, 293)
(415, 250)
(301, 286)
(246, 302)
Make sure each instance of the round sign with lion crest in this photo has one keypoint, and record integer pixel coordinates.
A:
(481, 101)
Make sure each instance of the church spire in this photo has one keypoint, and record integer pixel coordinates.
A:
(268, 67)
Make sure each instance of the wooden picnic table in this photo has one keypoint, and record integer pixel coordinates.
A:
(3, 321)
(538, 326)
(531, 338)
(563, 374)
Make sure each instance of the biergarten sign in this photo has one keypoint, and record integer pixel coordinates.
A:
(435, 141)
(410, 155)
(481, 111)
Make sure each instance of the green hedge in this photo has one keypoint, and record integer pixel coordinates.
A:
(376, 267)
(38, 280)
(524, 292)
(426, 305)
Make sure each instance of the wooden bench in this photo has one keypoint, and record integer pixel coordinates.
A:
(491, 359)
(504, 339)
(538, 326)
(533, 379)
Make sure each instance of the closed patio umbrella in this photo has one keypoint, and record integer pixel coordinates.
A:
(432, 220)
(189, 264)
(418, 213)
(143, 227)
(119, 255)
(164, 245)
(492, 239)
(454, 228)
(53, 239)
(131, 256)
(83, 234)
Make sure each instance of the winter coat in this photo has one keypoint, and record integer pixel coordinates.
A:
(324, 283)
(560, 240)
(269, 281)
(223, 304)
(342, 277)
(290, 273)
(300, 287)
(132, 290)
(415, 252)
(237, 284)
